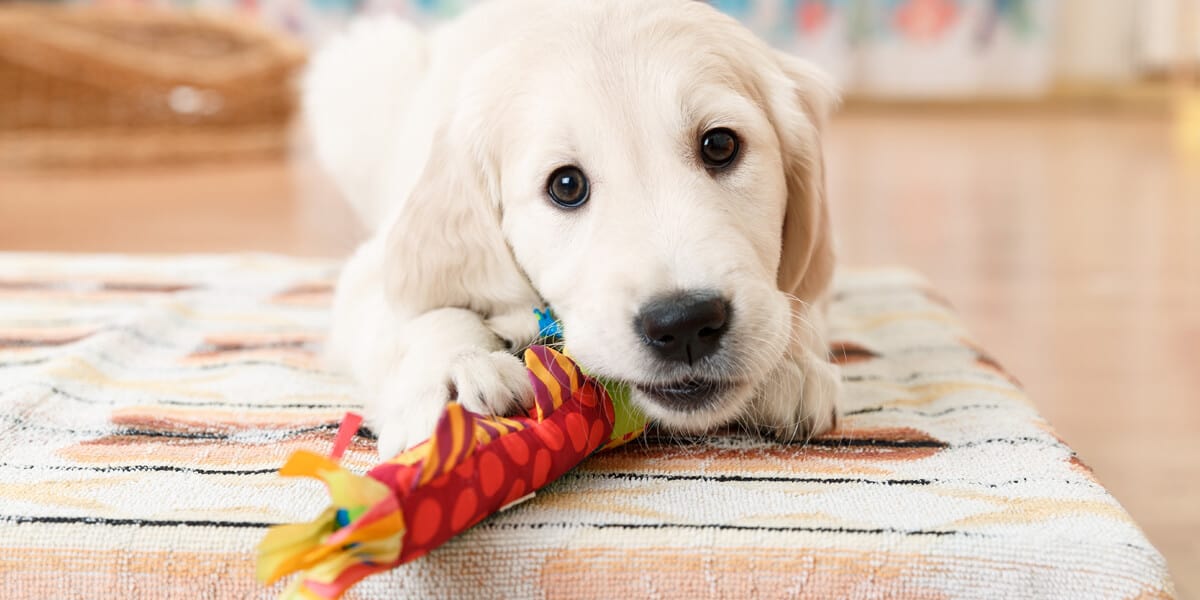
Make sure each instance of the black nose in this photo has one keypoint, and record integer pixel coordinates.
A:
(684, 327)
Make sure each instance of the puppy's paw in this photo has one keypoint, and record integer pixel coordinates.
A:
(409, 405)
(799, 401)
(817, 410)
(490, 383)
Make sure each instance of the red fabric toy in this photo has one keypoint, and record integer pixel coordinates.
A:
(472, 467)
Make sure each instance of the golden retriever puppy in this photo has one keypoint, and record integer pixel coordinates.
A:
(648, 168)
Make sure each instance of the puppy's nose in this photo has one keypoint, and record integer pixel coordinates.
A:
(684, 327)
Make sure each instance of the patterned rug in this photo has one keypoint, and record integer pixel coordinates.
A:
(146, 403)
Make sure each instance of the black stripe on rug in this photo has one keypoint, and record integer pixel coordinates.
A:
(22, 519)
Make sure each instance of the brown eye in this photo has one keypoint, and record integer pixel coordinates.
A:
(719, 147)
(568, 187)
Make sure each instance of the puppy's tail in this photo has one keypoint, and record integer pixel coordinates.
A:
(356, 90)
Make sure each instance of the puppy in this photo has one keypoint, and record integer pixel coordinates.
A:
(649, 169)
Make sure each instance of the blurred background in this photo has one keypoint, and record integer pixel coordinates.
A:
(1038, 160)
(120, 81)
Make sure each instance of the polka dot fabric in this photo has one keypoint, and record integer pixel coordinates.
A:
(470, 468)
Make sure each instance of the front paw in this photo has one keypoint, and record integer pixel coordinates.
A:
(490, 383)
(409, 405)
(799, 401)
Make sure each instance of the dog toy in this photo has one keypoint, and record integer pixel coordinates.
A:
(472, 466)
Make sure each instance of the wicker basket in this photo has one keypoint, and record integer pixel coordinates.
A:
(102, 86)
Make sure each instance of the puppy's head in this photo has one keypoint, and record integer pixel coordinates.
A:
(653, 171)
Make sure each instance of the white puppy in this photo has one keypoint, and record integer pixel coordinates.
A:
(648, 168)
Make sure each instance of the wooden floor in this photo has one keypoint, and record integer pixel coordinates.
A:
(1071, 245)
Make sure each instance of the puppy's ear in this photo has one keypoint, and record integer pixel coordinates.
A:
(446, 247)
(806, 263)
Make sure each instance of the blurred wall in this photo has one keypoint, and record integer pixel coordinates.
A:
(877, 48)
(1097, 39)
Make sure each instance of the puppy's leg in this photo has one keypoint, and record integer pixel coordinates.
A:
(451, 355)
(410, 366)
(799, 400)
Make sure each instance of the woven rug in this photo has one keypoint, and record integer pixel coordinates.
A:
(145, 404)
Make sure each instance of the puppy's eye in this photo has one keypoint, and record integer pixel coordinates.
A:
(568, 187)
(719, 147)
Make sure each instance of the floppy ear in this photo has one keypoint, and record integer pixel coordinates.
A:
(807, 259)
(446, 248)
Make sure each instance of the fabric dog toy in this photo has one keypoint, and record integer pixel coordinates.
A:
(472, 467)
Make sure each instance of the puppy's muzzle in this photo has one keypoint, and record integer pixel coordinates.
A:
(684, 327)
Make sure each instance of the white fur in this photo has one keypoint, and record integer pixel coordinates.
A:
(444, 141)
